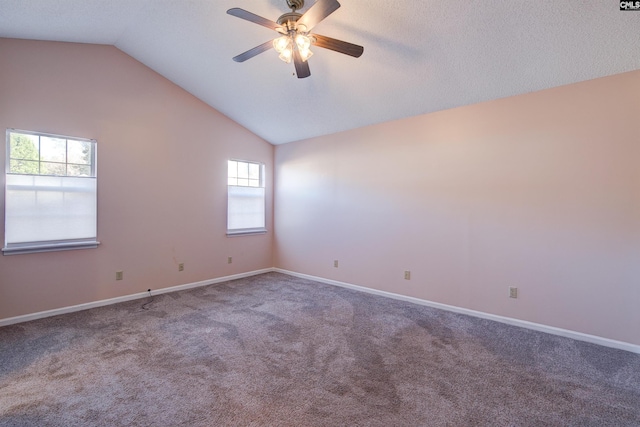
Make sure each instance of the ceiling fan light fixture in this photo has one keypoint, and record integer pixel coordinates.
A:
(286, 55)
(305, 54)
(282, 43)
(284, 47)
(303, 42)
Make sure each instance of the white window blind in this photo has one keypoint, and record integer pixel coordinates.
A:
(50, 193)
(246, 198)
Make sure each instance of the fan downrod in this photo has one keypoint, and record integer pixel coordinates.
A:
(295, 4)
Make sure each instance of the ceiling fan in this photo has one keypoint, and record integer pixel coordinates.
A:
(295, 38)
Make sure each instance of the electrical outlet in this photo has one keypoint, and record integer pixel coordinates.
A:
(181, 266)
(119, 275)
(229, 260)
(407, 275)
(335, 263)
(513, 292)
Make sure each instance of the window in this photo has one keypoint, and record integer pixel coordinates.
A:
(50, 193)
(246, 198)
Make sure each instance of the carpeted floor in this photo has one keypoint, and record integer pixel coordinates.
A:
(276, 350)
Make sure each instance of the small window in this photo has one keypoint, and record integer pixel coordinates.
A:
(246, 198)
(50, 193)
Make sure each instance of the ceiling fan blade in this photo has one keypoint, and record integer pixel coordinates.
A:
(338, 45)
(302, 67)
(253, 52)
(252, 17)
(316, 13)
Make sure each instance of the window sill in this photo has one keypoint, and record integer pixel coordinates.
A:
(30, 249)
(248, 232)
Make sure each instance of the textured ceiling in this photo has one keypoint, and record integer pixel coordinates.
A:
(419, 57)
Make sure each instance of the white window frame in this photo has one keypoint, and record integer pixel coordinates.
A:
(259, 229)
(48, 245)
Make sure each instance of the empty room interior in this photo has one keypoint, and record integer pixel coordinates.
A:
(432, 221)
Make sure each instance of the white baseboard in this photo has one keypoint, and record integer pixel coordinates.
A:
(620, 345)
(101, 303)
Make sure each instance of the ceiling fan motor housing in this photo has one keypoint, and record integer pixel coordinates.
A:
(295, 4)
(289, 20)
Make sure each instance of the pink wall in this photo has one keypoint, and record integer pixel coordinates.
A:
(161, 176)
(539, 191)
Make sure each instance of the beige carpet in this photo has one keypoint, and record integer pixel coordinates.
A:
(276, 350)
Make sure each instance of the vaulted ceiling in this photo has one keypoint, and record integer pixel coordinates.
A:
(419, 57)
